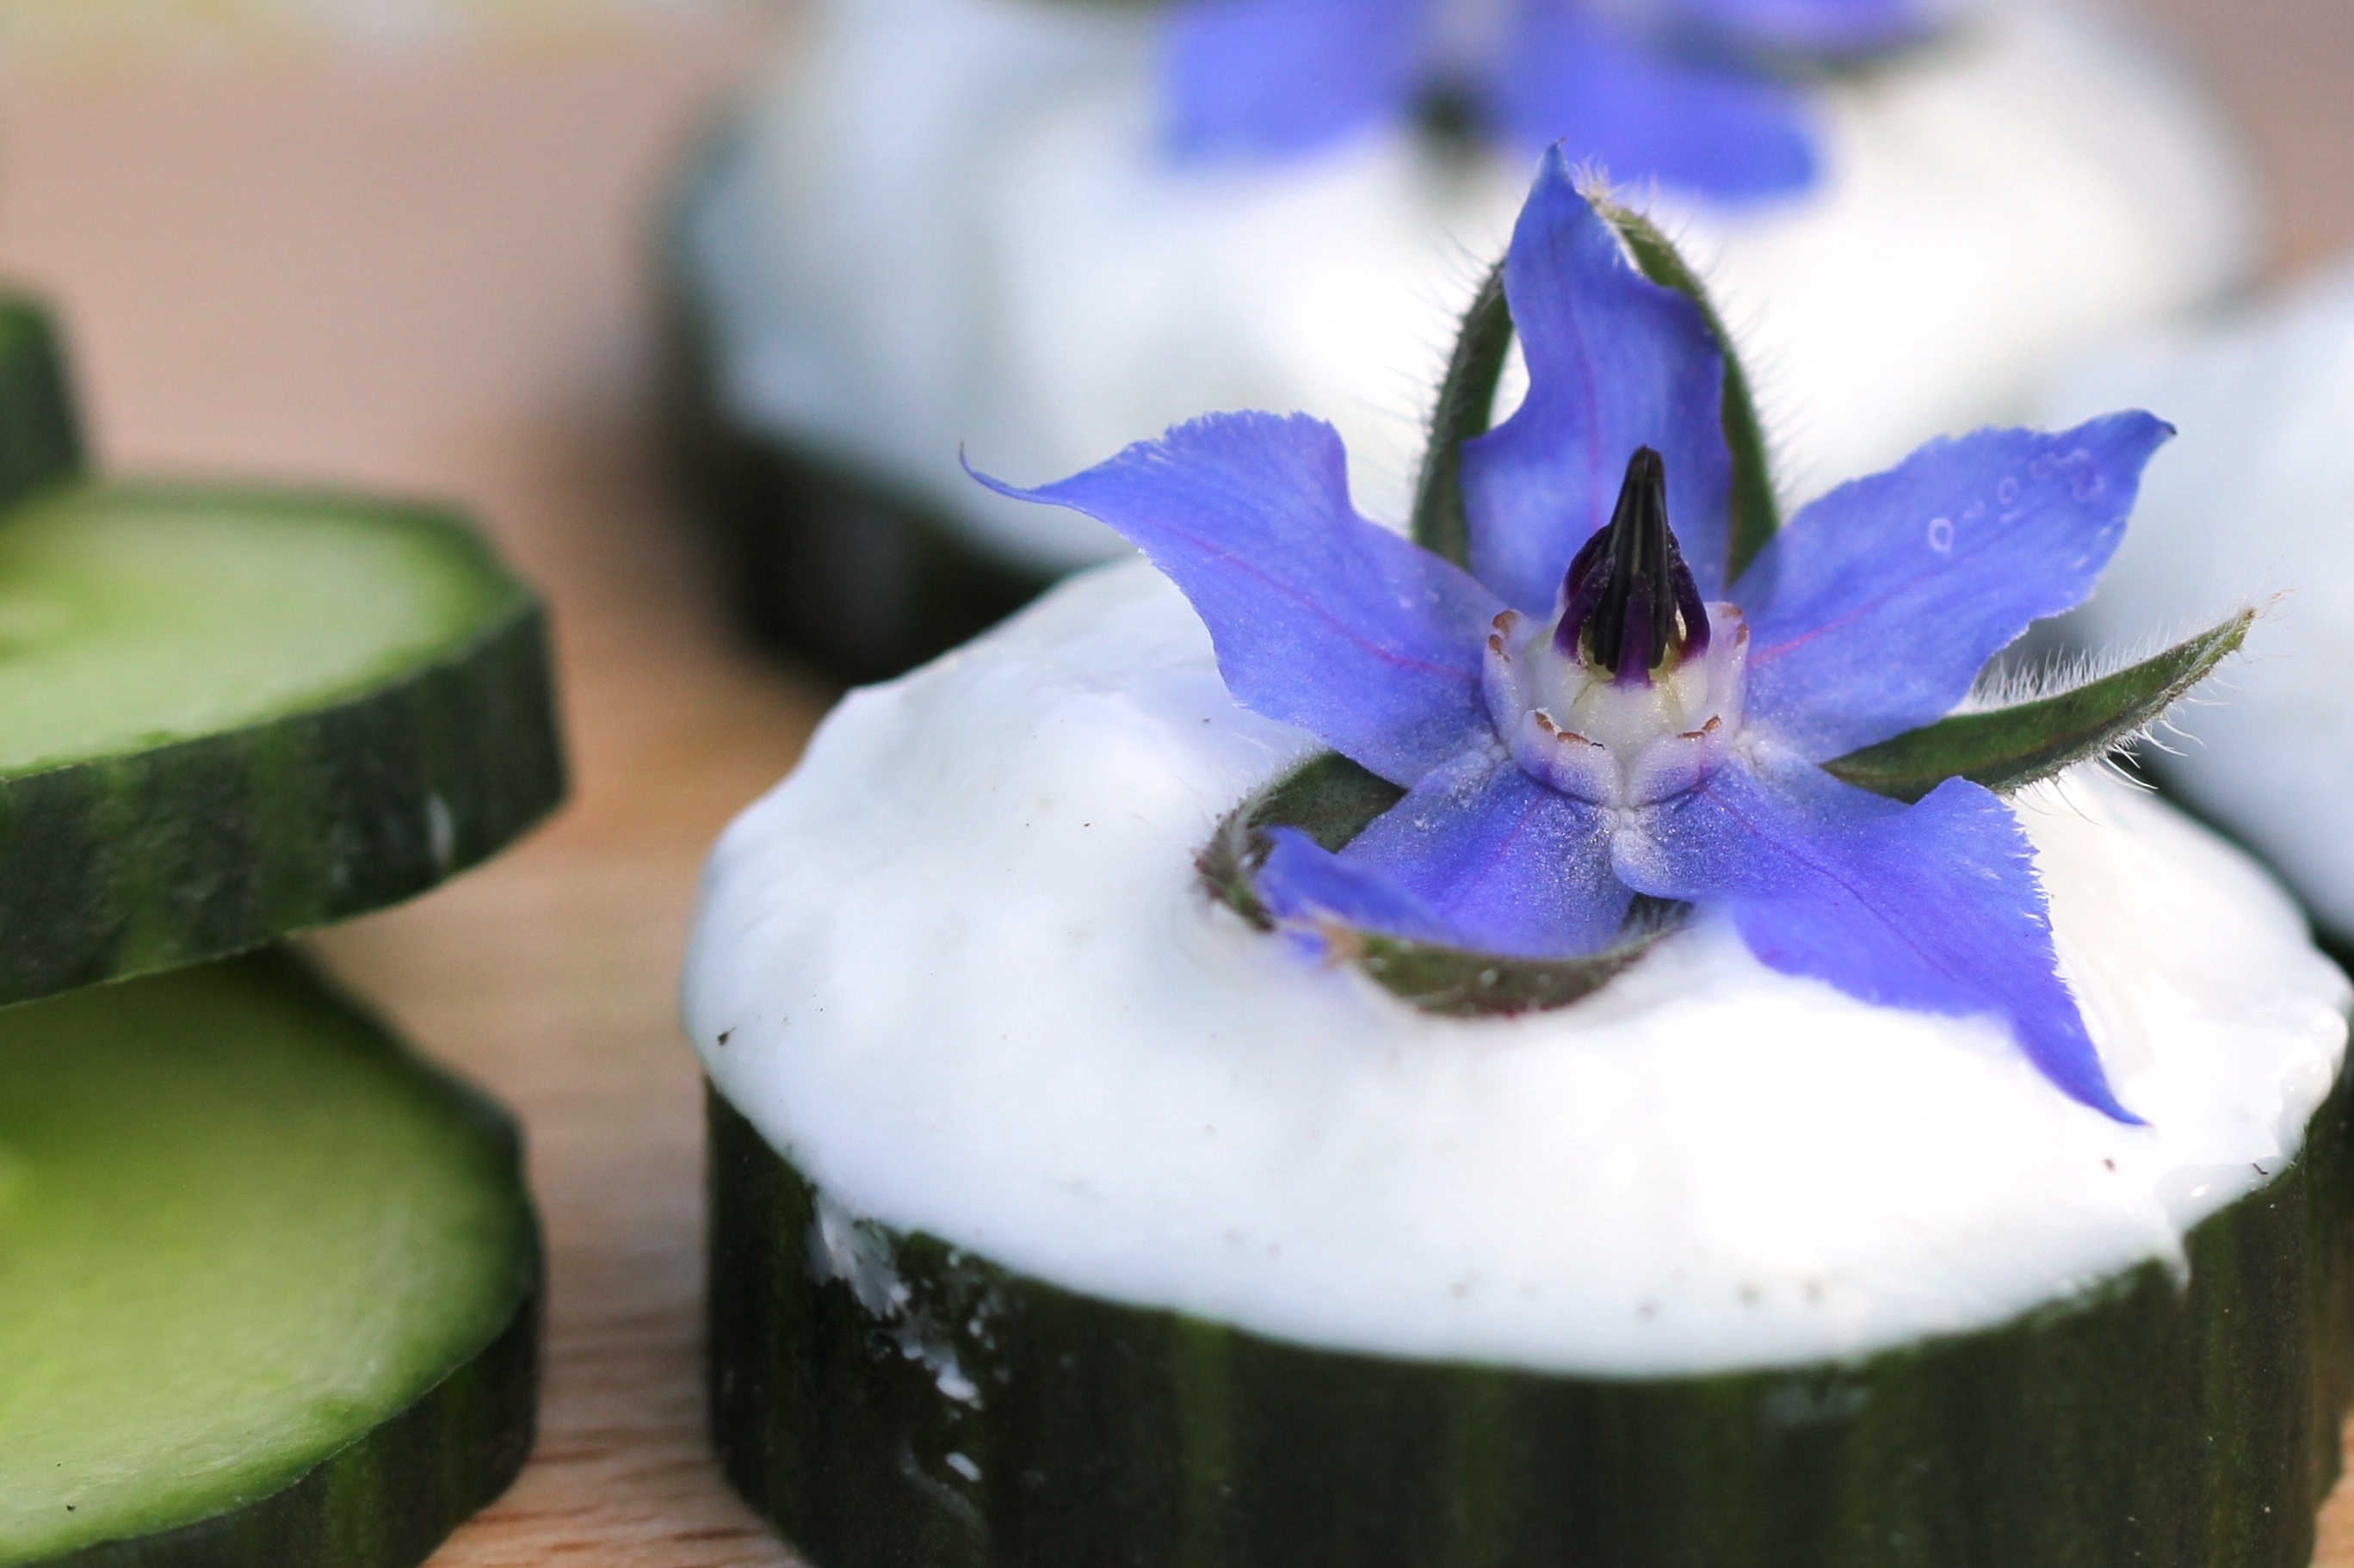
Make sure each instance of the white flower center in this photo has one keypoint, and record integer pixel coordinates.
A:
(1616, 741)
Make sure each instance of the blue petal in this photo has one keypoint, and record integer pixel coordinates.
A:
(1301, 881)
(1933, 907)
(1873, 609)
(1616, 363)
(1504, 865)
(1284, 77)
(1826, 29)
(1568, 75)
(1320, 618)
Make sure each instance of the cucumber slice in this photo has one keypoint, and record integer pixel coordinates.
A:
(40, 443)
(968, 1416)
(227, 714)
(268, 1284)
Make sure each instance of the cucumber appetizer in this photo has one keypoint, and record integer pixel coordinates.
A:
(269, 1284)
(272, 1281)
(1093, 1227)
(1605, 1032)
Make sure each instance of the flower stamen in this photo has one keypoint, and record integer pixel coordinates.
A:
(1634, 693)
(1631, 601)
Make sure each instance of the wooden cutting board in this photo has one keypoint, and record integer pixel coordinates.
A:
(426, 276)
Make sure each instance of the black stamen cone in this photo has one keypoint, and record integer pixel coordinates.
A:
(1631, 598)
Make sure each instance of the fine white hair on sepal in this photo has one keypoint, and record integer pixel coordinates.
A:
(2005, 682)
(1465, 271)
(1590, 177)
(2066, 792)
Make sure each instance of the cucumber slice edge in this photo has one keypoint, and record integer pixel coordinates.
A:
(211, 844)
(388, 1493)
(2138, 1422)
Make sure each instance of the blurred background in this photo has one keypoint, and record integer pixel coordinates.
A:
(403, 244)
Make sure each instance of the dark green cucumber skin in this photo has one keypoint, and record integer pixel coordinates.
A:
(179, 853)
(819, 562)
(389, 1497)
(2141, 1425)
(41, 440)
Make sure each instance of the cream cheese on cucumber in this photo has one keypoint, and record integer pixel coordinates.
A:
(958, 970)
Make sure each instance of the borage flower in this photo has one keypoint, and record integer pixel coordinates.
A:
(1696, 93)
(1626, 696)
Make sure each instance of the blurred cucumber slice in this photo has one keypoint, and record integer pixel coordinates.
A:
(230, 714)
(268, 1283)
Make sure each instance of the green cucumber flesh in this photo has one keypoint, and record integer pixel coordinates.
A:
(2141, 1423)
(268, 1284)
(229, 713)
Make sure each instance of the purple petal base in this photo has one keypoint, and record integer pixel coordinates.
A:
(1479, 855)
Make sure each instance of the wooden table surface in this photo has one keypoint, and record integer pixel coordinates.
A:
(426, 276)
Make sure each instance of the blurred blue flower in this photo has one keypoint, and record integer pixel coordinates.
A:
(1685, 92)
(1592, 711)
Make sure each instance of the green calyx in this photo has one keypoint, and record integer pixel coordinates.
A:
(2008, 749)
(1333, 799)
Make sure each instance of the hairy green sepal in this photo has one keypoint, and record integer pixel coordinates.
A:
(1466, 403)
(1333, 799)
(2008, 749)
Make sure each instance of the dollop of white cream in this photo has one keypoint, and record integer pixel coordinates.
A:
(2254, 498)
(953, 226)
(958, 968)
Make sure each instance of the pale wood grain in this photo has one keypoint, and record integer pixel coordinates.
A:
(429, 278)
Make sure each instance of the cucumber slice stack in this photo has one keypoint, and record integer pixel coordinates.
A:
(270, 1283)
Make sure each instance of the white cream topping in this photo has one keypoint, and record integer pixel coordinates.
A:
(952, 225)
(958, 968)
(2254, 498)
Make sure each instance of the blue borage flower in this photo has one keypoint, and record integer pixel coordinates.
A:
(1592, 711)
(1692, 92)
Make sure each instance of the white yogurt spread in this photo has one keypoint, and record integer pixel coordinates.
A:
(2254, 498)
(952, 226)
(958, 968)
